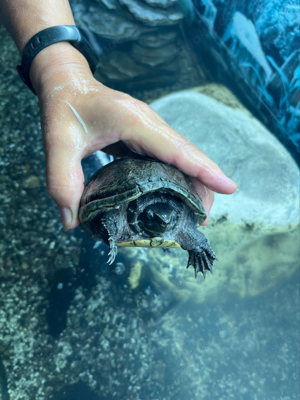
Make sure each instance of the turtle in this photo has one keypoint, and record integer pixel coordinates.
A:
(145, 203)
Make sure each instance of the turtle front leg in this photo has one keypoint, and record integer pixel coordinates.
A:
(110, 223)
(201, 255)
(202, 260)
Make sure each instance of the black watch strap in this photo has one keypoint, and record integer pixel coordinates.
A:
(46, 38)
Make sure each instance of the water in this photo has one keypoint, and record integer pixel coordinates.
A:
(73, 327)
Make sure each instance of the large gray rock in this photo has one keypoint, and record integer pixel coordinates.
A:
(255, 232)
(248, 153)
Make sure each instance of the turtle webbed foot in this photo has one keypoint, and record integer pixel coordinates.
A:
(202, 260)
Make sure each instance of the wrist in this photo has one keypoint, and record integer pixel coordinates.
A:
(56, 65)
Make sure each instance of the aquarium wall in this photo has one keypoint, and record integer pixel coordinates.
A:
(252, 47)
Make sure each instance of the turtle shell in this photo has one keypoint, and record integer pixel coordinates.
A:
(126, 179)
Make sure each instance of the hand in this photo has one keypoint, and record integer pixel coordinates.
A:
(79, 116)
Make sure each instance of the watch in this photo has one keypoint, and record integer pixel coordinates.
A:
(49, 36)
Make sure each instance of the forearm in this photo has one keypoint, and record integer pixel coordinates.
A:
(24, 18)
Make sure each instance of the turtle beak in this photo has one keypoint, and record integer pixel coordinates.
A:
(165, 218)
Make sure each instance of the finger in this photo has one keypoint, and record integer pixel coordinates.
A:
(65, 180)
(206, 194)
(183, 154)
(119, 149)
(150, 134)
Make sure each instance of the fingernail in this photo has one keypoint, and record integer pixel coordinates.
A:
(66, 217)
(232, 181)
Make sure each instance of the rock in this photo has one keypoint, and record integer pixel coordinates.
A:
(121, 69)
(126, 47)
(31, 182)
(157, 39)
(222, 94)
(109, 25)
(119, 66)
(135, 275)
(110, 4)
(246, 151)
(255, 232)
(151, 16)
(161, 3)
(154, 57)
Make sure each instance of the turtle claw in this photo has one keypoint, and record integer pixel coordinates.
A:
(110, 224)
(113, 251)
(111, 259)
(207, 249)
(201, 261)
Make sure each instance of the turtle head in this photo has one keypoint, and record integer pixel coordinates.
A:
(158, 219)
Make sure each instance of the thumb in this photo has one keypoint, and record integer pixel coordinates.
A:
(65, 180)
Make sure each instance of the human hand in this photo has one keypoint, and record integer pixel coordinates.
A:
(79, 116)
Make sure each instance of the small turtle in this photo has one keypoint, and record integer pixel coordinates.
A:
(145, 203)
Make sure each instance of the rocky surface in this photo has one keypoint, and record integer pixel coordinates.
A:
(43, 270)
(152, 16)
(154, 57)
(157, 39)
(33, 245)
(162, 3)
(113, 26)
